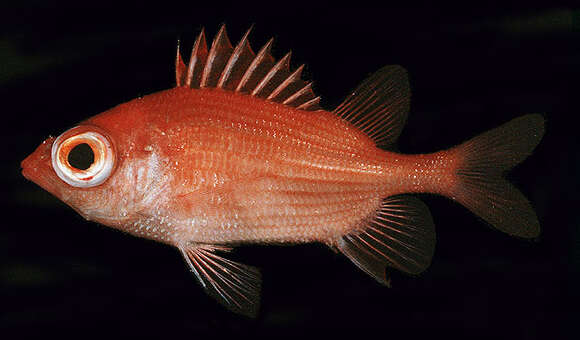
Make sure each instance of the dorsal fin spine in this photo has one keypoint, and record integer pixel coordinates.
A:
(309, 104)
(279, 66)
(234, 58)
(298, 94)
(179, 67)
(221, 40)
(196, 61)
(239, 69)
(262, 54)
(291, 78)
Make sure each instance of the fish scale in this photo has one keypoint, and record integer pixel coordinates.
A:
(289, 153)
(304, 124)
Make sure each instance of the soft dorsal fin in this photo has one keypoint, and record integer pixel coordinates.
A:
(239, 69)
(379, 106)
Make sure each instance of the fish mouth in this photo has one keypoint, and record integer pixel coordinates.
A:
(28, 168)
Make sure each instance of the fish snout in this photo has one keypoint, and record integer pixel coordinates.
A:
(37, 162)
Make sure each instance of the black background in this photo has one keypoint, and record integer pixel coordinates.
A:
(472, 67)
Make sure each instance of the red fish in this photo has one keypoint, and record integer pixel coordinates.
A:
(240, 152)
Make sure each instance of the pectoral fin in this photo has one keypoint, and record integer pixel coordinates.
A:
(234, 285)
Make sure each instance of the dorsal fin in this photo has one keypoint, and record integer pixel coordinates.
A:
(379, 106)
(218, 56)
(179, 68)
(196, 61)
(240, 69)
(237, 64)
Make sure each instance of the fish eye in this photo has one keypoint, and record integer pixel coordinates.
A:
(83, 157)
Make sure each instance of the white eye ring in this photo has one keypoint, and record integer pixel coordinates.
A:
(98, 171)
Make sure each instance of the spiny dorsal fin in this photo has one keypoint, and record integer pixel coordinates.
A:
(379, 106)
(196, 61)
(219, 53)
(240, 69)
(179, 67)
(237, 64)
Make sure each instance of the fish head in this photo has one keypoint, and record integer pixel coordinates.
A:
(97, 169)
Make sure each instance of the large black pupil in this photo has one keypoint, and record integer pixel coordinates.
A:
(81, 156)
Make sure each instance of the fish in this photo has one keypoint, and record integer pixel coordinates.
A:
(240, 151)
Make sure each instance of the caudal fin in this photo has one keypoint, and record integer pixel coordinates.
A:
(482, 187)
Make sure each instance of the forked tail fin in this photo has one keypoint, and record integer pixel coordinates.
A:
(481, 186)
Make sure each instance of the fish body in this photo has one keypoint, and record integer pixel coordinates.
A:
(240, 152)
(246, 170)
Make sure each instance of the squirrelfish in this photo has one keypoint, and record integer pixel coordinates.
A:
(241, 152)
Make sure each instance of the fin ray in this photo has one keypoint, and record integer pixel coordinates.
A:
(180, 68)
(268, 83)
(234, 285)
(263, 61)
(293, 80)
(400, 235)
(312, 104)
(237, 64)
(301, 96)
(197, 61)
(219, 54)
(379, 106)
(481, 186)
(239, 69)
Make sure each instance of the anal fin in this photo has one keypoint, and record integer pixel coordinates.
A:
(234, 285)
(400, 235)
